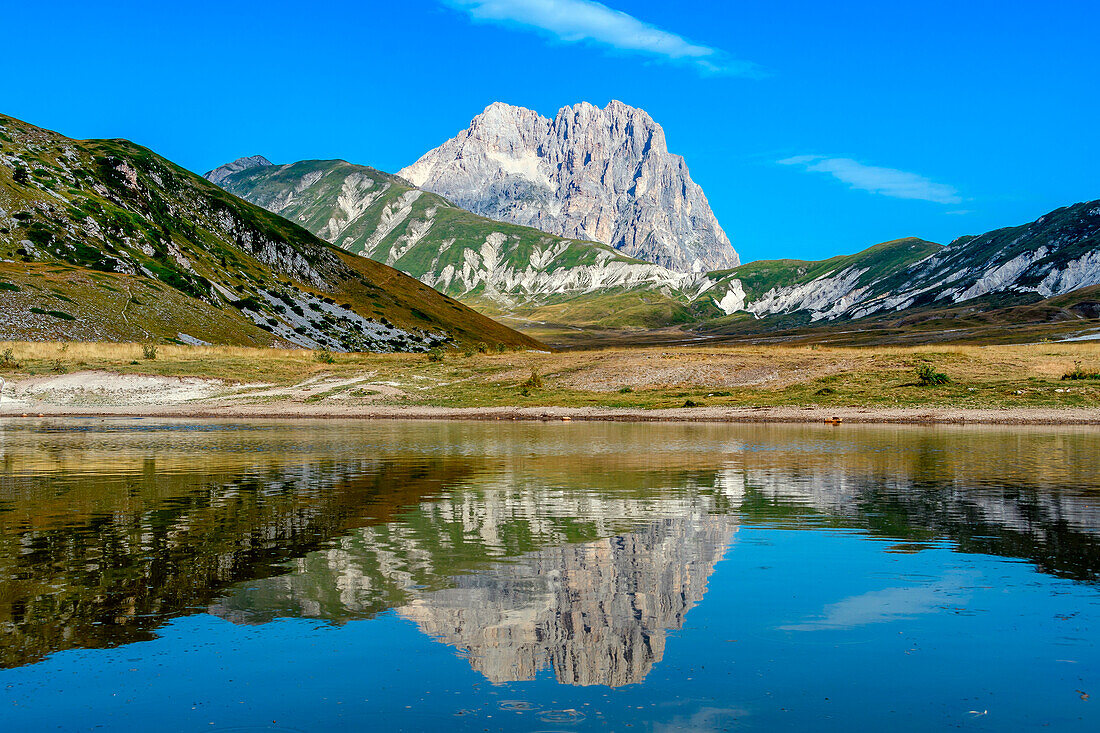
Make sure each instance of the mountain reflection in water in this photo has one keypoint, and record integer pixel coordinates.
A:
(596, 611)
(574, 548)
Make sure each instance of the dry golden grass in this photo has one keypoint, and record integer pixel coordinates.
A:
(980, 376)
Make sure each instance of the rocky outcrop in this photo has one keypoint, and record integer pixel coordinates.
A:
(599, 174)
(220, 173)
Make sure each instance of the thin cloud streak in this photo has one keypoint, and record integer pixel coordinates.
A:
(884, 181)
(587, 21)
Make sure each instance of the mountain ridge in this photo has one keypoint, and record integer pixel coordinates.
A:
(105, 240)
(545, 281)
(495, 266)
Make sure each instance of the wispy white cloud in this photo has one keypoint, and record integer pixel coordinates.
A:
(586, 21)
(890, 604)
(885, 181)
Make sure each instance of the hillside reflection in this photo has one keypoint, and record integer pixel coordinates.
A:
(574, 549)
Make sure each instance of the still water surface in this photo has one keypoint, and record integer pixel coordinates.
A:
(315, 576)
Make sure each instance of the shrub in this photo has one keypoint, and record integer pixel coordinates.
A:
(437, 355)
(533, 382)
(7, 360)
(20, 176)
(59, 367)
(626, 390)
(1079, 373)
(149, 351)
(691, 403)
(324, 356)
(825, 391)
(928, 376)
(56, 314)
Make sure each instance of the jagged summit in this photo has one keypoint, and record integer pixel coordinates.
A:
(220, 173)
(590, 173)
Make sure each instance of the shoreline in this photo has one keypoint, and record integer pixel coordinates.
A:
(786, 414)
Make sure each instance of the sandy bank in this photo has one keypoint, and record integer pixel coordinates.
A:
(1014, 416)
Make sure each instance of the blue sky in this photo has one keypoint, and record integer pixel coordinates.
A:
(815, 129)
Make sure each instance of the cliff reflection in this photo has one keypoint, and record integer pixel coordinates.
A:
(577, 549)
(596, 612)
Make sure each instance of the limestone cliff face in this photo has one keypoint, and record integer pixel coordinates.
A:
(599, 174)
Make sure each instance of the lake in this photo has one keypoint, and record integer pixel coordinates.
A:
(328, 575)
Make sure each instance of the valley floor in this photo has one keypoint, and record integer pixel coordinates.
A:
(991, 384)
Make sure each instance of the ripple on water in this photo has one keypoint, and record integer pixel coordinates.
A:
(517, 705)
(562, 716)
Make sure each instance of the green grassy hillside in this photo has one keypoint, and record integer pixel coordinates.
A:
(105, 240)
(502, 269)
(878, 261)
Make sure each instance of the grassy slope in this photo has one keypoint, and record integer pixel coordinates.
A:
(991, 319)
(1068, 233)
(101, 217)
(454, 231)
(880, 260)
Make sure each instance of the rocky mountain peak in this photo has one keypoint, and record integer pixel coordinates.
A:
(508, 128)
(599, 174)
(220, 173)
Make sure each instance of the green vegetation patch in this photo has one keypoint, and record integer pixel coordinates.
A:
(56, 314)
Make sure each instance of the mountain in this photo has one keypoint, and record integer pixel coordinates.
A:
(569, 290)
(824, 289)
(221, 173)
(105, 240)
(496, 267)
(1056, 255)
(597, 174)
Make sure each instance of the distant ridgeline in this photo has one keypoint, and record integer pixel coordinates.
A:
(105, 240)
(1051, 265)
